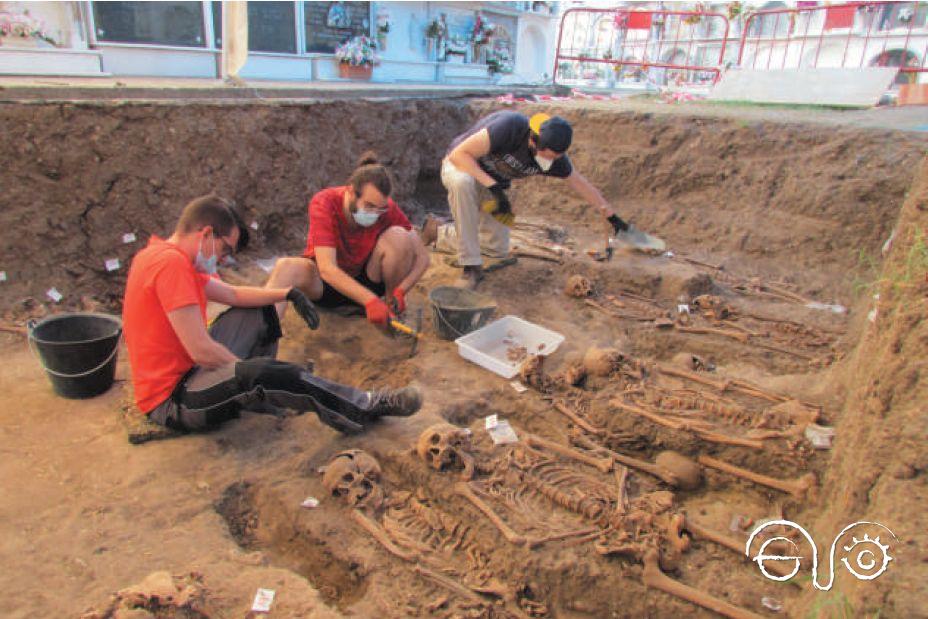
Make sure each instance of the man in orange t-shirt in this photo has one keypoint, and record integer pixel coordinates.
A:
(361, 249)
(190, 378)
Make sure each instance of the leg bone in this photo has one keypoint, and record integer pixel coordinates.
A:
(464, 489)
(799, 488)
(654, 577)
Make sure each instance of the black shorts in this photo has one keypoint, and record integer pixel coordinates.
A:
(333, 298)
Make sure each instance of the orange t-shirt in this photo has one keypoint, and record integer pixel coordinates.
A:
(161, 279)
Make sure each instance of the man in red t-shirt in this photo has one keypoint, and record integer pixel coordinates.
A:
(188, 377)
(361, 248)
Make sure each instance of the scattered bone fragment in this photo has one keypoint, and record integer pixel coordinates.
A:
(532, 373)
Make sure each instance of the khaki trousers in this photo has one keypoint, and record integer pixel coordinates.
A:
(472, 228)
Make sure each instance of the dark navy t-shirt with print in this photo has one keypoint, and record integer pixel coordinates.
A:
(510, 157)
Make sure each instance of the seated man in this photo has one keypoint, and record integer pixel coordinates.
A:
(360, 248)
(188, 378)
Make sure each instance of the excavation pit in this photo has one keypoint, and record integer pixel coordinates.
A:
(782, 223)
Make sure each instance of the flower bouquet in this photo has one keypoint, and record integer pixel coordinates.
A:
(356, 57)
(23, 26)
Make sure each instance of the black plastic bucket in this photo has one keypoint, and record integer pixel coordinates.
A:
(78, 352)
(458, 311)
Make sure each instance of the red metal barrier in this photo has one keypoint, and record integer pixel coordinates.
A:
(688, 45)
(847, 35)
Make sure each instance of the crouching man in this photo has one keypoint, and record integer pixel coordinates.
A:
(189, 378)
(361, 250)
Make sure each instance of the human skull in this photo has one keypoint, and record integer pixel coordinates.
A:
(602, 361)
(691, 362)
(712, 305)
(578, 286)
(444, 446)
(355, 476)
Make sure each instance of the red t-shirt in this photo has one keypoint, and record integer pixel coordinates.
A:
(161, 279)
(353, 244)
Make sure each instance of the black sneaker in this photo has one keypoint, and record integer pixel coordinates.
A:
(395, 402)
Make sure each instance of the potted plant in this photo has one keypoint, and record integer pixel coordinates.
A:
(356, 58)
(21, 29)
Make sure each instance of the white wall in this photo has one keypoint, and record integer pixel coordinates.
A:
(537, 43)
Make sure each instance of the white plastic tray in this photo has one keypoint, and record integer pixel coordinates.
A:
(488, 346)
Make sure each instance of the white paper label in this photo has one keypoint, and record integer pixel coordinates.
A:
(503, 434)
(310, 502)
(2, 276)
(54, 295)
(263, 600)
(491, 422)
(112, 264)
(128, 237)
(254, 225)
(519, 387)
(683, 308)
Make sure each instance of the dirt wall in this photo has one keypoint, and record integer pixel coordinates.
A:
(804, 201)
(878, 469)
(77, 177)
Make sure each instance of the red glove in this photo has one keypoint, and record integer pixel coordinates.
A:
(400, 295)
(377, 311)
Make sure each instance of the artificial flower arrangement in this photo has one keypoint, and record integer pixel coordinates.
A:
(357, 51)
(482, 31)
(24, 26)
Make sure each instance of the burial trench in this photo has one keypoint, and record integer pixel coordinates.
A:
(744, 206)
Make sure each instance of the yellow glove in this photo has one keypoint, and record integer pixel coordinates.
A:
(499, 207)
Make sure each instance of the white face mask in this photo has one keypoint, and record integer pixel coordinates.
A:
(206, 265)
(365, 219)
(544, 163)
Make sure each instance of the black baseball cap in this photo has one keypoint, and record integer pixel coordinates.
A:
(556, 134)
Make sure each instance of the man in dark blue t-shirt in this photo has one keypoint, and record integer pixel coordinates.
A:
(478, 169)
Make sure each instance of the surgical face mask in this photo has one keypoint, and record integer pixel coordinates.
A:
(365, 219)
(206, 265)
(544, 163)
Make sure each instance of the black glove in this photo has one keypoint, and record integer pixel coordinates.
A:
(499, 207)
(618, 225)
(304, 308)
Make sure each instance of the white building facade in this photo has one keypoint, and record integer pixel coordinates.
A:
(288, 40)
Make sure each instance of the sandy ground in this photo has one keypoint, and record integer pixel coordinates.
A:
(94, 514)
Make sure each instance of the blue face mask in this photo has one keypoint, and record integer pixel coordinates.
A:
(365, 219)
(206, 265)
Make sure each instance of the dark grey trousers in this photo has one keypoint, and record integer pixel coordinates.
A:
(205, 398)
